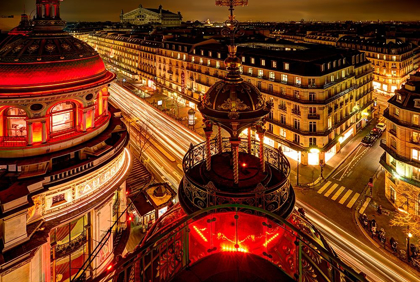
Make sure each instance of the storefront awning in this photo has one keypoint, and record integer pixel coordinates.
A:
(141, 204)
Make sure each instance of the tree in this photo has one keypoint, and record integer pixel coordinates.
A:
(141, 135)
(409, 221)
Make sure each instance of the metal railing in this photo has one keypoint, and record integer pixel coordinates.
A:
(294, 246)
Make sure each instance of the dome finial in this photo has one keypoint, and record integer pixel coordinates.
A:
(232, 30)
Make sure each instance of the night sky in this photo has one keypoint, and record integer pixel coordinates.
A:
(257, 10)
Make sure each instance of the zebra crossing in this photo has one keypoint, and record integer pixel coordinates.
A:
(339, 193)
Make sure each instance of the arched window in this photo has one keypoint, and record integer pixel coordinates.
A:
(15, 122)
(63, 117)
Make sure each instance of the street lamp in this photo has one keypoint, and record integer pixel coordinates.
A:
(191, 118)
(409, 235)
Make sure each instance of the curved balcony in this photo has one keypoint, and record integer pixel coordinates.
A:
(270, 190)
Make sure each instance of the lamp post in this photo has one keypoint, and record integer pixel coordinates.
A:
(409, 235)
(191, 118)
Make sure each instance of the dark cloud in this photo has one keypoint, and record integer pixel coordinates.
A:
(258, 10)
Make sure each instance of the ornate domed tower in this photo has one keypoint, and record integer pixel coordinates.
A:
(236, 219)
(63, 160)
(234, 170)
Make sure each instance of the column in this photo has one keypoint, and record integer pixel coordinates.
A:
(44, 131)
(261, 133)
(30, 133)
(92, 112)
(208, 131)
(219, 140)
(234, 143)
(249, 141)
(84, 117)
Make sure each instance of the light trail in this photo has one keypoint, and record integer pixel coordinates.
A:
(176, 140)
(376, 265)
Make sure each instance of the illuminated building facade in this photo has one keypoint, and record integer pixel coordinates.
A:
(143, 16)
(322, 96)
(63, 160)
(131, 56)
(235, 220)
(392, 60)
(401, 159)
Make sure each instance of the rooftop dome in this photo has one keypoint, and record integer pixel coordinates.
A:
(233, 99)
(47, 56)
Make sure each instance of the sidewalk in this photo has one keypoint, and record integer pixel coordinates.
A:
(369, 206)
(311, 175)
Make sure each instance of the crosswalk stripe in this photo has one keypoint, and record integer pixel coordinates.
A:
(331, 190)
(324, 187)
(365, 204)
(348, 193)
(353, 200)
(338, 193)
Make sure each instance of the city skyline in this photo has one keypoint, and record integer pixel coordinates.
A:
(325, 10)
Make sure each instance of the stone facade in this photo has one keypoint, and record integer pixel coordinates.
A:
(143, 16)
(402, 147)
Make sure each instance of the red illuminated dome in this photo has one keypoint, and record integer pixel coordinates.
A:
(48, 61)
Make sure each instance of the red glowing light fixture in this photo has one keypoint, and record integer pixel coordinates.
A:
(199, 233)
(130, 218)
(109, 267)
(243, 164)
(235, 248)
(271, 239)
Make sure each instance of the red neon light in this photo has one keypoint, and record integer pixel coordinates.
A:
(271, 239)
(233, 249)
(199, 233)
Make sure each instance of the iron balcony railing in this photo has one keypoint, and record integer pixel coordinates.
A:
(294, 246)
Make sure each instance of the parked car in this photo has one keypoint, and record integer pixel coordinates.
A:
(376, 132)
(381, 126)
(369, 140)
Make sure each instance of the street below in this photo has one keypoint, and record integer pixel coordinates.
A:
(331, 214)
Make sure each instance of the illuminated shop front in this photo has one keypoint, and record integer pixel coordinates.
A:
(69, 248)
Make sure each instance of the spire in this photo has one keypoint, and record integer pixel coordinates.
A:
(232, 30)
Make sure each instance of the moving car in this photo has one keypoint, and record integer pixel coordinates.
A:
(369, 140)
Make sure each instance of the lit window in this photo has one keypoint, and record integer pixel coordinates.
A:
(286, 66)
(15, 122)
(260, 73)
(284, 78)
(250, 71)
(62, 116)
(219, 55)
(415, 119)
(263, 62)
(415, 154)
(217, 64)
(272, 76)
(243, 59)
(298, 81)
(252, 61)
(274, 64)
